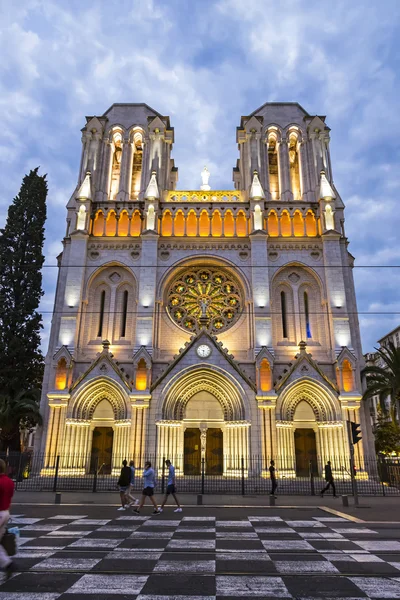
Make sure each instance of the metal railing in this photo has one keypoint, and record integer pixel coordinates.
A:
(244, 475)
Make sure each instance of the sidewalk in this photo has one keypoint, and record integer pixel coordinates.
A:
(370, 509)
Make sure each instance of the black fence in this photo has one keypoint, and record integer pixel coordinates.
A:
(244, 475)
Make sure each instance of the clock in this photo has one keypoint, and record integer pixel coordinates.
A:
(203, 351)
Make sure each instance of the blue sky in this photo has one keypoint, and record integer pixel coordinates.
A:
(205, 63)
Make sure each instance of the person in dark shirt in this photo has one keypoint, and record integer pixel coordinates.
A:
(272, 474)
(124, 483)
(6, 494)
(329, 480)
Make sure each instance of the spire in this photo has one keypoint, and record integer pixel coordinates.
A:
(325, 190)
(256, 191)
(152, 188)
(85, 191)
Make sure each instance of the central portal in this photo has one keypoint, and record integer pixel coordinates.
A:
(212, 452)
(102, 444)
(306, 452)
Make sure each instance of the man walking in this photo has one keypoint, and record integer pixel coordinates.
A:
(171, 487)
(123, 484)
(148, 490)
(6, 494)
(272, 475)
(133, 501)
(329, 480)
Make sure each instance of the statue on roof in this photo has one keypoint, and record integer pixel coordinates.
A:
(205, 176)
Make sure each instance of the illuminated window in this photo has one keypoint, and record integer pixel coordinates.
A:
(241, 224)
(116, 158)
(286, 228)
(98, 225)
(229, 225)
(311, 225)
(273, 167)
(137, 162)
(347, 375)
(61, 374)
(273, 226)
(111, 224)
(101, 314)
(141, 375)
(124, 313)
(204, 225)
(136, 224)
(167, 224)
(191, 224)
(123, 224)
(216, 224)
(307, 315)
(265, 376)
(179, 224)
(298, 224)
(294, 166)
(284, 315)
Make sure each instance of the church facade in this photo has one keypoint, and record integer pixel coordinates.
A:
(204, 325)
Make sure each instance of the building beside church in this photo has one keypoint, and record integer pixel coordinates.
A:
(204, 324)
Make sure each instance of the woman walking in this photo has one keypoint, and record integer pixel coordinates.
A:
(148, 490)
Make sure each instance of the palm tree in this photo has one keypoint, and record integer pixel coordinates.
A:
(19, 411)
(384, 381)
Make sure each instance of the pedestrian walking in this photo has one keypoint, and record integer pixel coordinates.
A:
(272, 475)
(6, 494)
(133, 501)
(148, 490)
(123, 484)
(329, 480)
(171, 489)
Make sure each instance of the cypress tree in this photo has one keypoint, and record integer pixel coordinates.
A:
(21, 261)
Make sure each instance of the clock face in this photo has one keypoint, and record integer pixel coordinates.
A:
(203, 351)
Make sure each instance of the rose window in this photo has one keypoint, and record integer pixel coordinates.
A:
(206, 297)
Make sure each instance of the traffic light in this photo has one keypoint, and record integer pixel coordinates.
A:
(355, 432)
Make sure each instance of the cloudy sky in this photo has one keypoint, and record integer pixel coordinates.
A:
(205, 63)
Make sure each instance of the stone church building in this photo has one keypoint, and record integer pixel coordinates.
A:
(204, 324)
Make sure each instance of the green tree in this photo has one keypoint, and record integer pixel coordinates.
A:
(384, 381)
(387, 436)
(18, 411)
(21, 261)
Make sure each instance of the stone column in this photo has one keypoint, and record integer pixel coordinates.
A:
(286, 193)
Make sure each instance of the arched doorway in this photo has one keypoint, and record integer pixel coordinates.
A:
(102, 438)
(305, 441)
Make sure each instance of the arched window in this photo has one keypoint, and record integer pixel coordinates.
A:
(298, 224)
(294, 166)
(241, 224)
(141, 375)
(347, 375)
(136, 224)
(116, 157)
(101, 313)
(98, 225)
(137, 162)
(111, 225)
(124, 313)
(179, 224)
(61, 374)
(265, 376)
(307, 315)
(191, 224)
(286, 226)
(204, 224)
(284, 315)
(229, 226)
(273, 167)
(311, 225)
(166, 224)
(273, 225)
(216, 224)
(123, 223)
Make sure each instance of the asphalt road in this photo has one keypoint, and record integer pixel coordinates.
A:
(203, 553)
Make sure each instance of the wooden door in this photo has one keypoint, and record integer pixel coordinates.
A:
(214, 452)
(192, 451)
(306, 451)
(102, 445)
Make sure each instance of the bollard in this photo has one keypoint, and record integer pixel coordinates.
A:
(57, 499)
(272, 500)
(199, 499)
(345, 500)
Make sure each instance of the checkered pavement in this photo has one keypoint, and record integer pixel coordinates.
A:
(179, 557)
